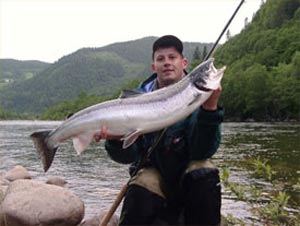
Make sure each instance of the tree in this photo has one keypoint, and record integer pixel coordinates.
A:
(197, 54)
(196, 58)
(246, 21)
(204, 52)
(228, 35)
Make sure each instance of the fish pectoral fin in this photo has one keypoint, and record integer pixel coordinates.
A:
(82, 141)
(130, 138)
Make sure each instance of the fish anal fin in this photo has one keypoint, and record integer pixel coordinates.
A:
(130, 138)
(82, 141)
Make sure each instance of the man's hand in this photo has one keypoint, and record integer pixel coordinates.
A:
(104, 135)
(211, 104)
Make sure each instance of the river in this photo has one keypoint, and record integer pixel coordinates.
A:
(97, 179)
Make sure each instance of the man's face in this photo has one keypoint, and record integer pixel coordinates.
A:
(169, 66)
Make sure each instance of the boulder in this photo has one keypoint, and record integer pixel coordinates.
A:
(56, 181)
(16, 173)
(3, 181)
(33, 203)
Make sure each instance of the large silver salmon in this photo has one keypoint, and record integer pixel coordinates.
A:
(133, 115)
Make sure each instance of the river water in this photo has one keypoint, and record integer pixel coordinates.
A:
(97, 179)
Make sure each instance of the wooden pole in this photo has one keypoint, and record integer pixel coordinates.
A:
(114, 206)
(122, 193)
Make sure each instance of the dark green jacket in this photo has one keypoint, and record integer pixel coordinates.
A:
(195, 138)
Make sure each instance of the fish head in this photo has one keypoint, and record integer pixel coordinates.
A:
(206, 76)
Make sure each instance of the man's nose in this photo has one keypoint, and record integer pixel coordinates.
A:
(167, 62)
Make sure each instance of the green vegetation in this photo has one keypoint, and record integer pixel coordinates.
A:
(198, 56)
(263, 169)
(16, 70)
(67, 108)
(262, 80)
(94, 71)
(10, 115)
(267, 208)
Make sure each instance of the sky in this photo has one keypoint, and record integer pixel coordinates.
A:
(46, 30)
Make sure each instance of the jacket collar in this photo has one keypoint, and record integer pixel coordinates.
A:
(150, 84)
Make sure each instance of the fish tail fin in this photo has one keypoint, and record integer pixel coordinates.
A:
(45, 151)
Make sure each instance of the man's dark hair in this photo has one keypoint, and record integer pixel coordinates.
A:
(167, 41)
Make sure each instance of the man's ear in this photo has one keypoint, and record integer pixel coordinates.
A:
(153, 67)
(185, 63)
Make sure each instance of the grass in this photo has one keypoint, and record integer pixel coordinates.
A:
(271, 211)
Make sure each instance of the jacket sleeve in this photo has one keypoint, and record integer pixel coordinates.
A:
(120, 155)
(205, 133)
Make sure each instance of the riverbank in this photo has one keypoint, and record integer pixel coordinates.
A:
(25, 200)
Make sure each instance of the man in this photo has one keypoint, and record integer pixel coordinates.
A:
(173, 180)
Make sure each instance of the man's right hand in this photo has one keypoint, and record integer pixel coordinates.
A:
(104, 135)
(211, 103)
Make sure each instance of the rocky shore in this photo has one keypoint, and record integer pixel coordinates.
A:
(25, 201)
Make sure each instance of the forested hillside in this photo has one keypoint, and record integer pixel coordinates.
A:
(92, 71)
(262, 80)
(15, 70)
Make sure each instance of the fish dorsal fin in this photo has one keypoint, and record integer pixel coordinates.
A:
(82, 141)
(130, 138)
(69, 115)
(129, 93)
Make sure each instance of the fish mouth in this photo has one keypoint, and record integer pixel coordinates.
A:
(212, 79)
(202, 88)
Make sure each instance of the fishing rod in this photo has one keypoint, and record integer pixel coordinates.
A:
(222, 33)
(122, 193)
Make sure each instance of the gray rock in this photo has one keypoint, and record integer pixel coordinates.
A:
(16, 173)
(95, 220)
(32, 203)
(56, 181)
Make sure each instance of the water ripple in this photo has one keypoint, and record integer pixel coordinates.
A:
(97, 179)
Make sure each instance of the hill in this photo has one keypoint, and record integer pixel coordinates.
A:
(262, 79)
(15, 70)
(93, 71)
